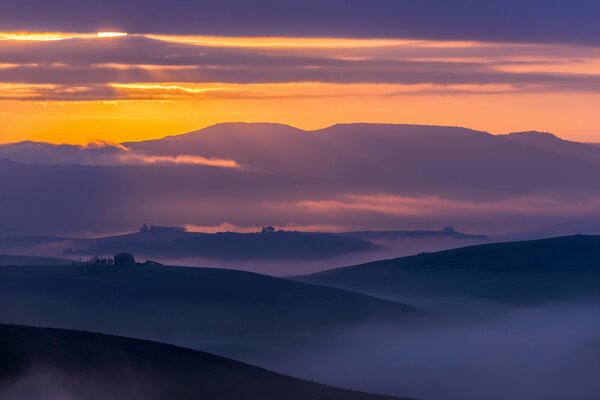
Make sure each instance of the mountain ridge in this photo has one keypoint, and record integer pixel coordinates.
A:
(376, 171)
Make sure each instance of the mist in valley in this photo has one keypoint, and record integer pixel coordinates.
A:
(550, 352)
(543, 353)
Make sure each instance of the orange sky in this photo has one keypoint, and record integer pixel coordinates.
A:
(516, 89)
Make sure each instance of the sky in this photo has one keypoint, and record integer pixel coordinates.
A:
(113, 71)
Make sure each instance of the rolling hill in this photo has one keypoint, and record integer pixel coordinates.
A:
(239, 314)
(168, 244)
(41, 363)
(528, 272)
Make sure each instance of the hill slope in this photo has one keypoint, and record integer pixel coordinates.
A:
(547, 141)
(229, 312)
(38, 363)
(162, 244)
(522, 272)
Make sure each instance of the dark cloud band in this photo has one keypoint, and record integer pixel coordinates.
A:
(546, 21)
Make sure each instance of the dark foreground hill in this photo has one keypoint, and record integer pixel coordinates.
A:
(233, 313)
(41, 363)
(527, 272)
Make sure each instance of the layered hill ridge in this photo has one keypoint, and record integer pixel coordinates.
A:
(376, 155)
(359, 151)
(286, 177)
(410, 159)
(228, 312)
(559, 269)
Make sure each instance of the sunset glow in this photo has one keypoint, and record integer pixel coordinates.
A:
(284, 199)
(141, 86)
(42, 36)
(111, 34)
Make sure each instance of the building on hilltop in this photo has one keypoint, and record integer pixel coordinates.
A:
(161, 229)
(124, 259)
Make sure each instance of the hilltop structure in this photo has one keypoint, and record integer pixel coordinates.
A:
(161, 229)
(124, 259)
(119, 260)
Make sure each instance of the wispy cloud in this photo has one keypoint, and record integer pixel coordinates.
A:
(431, 205)
(144, 159)
(100, 154)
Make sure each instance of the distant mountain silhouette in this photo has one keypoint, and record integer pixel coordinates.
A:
(528, 272)
(41, 363)
(292, 177)
(261, 147)
(416, 156)
(549, 142)
(376, 155)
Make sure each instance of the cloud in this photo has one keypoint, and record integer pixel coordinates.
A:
(141, 67)
(432, 205)
(546, 353)
(388, 211)
(222, 227)
(118, 198)
(543, 21)
(100, 154)
(145, 159)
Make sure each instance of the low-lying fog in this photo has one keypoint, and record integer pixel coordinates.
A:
(387, 249)
(550, 353)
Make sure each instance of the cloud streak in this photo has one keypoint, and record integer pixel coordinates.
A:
(144, 159)
(88, 68)
(101, 154)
